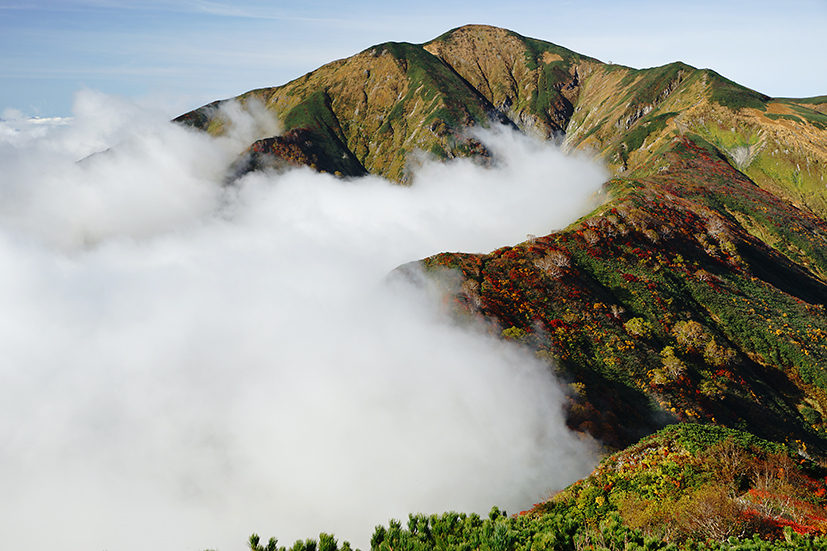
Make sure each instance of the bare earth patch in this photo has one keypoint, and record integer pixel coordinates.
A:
(548, 57)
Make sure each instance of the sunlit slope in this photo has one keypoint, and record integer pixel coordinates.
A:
(536, 84)
(705, 483)
(628, 116)
(662, 306)
(371, 111)
(715, 228)
(375, 108)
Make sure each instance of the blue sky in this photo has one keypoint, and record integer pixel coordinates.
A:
(183, 53)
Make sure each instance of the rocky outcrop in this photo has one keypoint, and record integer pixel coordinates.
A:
(298, 147)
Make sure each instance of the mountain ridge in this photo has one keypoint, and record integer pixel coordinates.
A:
(355, 103)
(695, 294)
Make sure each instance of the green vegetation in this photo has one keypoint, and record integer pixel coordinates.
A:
(815, 118)
(316, 115)
(650, 86)
(692, 301)
(802, 115)
(778, 116)
(546, 98)
(734, 96)
(536, 48)
(703, 482)
(689, 487)
(326, 542)
(635, 138)
(817, 100)
(554, 529)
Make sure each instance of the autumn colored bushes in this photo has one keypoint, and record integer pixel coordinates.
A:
(663, 302)
(703, 482)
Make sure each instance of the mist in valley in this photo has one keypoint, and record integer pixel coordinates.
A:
(186, 363)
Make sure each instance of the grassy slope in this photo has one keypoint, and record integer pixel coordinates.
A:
(377, 107)
(374, 109)
(668, 250)
(704, 482)
(531, 81)
(696, 294)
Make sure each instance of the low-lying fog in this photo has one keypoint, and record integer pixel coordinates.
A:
(184, 364)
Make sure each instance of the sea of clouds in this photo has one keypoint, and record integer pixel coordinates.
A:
(186, 363)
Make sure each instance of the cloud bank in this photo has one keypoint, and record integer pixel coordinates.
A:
(185, 364)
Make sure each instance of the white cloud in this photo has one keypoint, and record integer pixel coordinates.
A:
(185, 364)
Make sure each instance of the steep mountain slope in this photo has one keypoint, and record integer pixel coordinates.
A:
(661, 306)
(696, 293)
(370, 111)
(711, 201)
(373, 109)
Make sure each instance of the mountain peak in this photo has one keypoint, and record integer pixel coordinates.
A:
(474, 28)
(695, 294)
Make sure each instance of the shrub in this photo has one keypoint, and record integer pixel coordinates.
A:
(638, 327)
(811, 415)
(717, 355)
(327, 542)
(691, 336)
(673, 367)
(515, 334)
(712, 514)
(254, 544)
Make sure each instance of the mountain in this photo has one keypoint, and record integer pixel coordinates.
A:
(371, 110)
(696, 293)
